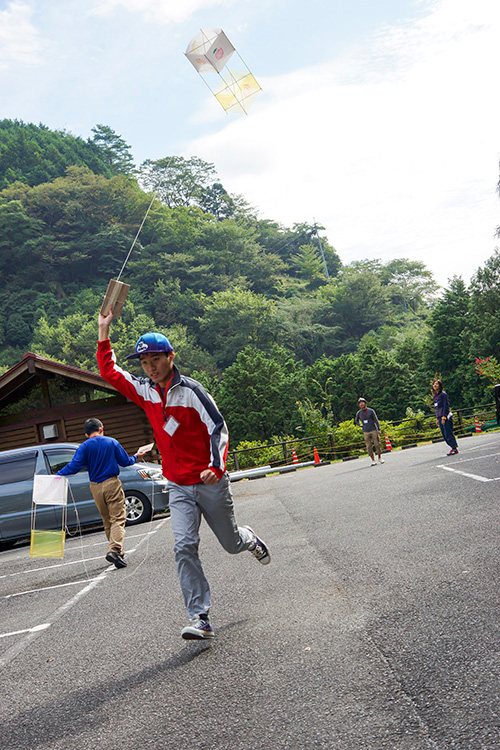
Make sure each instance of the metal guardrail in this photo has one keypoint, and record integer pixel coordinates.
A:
(331, 450)
(263, 471)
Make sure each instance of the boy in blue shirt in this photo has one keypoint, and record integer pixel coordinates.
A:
(102, 456)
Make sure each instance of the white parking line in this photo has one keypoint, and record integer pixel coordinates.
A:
(476, 458)
(49, 588)
(13, 651)
(70, 547)
(72, 541)
(478, 447)
(477, 477)
(104, 541)
(35, 632)
(27, 630)
(49, 567)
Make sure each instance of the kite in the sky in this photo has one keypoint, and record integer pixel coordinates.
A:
(209, 52)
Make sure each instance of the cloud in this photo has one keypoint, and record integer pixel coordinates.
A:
(20, 42)
(157, 11)
(393, 148)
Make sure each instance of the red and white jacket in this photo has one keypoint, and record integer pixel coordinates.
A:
(189, 430)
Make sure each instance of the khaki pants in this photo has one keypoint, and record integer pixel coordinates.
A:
(372, 442)
(110, 500)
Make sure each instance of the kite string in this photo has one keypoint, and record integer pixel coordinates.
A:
(136, 237)
(79, 530)
(123, 577)
(148, 535)
(142, 223)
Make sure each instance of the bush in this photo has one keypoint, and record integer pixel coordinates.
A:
(349, 438)
(416, 426)
(257, 454)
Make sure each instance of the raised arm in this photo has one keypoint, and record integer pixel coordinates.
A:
(128, 385)
(77, 463)
(104, 325)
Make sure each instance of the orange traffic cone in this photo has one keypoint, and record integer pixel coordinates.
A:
(478, 428)
(294, 457)
(317, 459)
(388, 443)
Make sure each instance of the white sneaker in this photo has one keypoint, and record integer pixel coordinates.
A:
(381, 460)
(198, 629)
(259, 549)
(374, 463)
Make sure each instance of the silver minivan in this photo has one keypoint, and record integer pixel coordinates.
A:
(146, 491)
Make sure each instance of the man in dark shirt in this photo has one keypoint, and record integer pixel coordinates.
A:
(102, 456)
(368, 421)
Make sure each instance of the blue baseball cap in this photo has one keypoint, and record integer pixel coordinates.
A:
(149, 343)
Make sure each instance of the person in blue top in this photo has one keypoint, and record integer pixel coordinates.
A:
(102, 457)
(444, 417)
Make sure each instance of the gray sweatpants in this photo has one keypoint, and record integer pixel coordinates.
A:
(188, 503)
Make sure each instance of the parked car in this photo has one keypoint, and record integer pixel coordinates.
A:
(146, 491)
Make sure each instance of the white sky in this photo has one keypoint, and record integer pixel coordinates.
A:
(378, 120)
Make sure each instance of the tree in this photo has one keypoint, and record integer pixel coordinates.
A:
(214, 200)
(286, 242)
(410, 283)
(409, 351)
(33, 154)
(59, 233)
(235, 319)
(335, 385)
(169, 305)
(484, 307)
(385, 382)
(310, 266)
(258, 394)
(356, 301)
(302, 334)
(447, 347)
(178, 181)
(71, 340)
(16, 229)
(370, 372)
(203, 255)
(307, 234)
(115, 151)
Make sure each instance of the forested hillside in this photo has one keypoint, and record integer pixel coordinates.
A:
(246, 302)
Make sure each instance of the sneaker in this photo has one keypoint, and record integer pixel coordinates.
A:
(259, 550)
(381, 460)
(453, 452)
(116, 559)
(198, 630)
(374, 463)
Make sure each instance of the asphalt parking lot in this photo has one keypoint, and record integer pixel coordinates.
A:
(375, 625)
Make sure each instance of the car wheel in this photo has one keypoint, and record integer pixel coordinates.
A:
(137, 507)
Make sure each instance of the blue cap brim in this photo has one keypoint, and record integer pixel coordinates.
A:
(135, 355)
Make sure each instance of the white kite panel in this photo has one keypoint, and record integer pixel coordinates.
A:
(50, 490)
(209, 50)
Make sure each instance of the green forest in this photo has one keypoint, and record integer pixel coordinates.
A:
(283, 334)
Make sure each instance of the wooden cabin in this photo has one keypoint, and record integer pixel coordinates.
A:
(42, 401)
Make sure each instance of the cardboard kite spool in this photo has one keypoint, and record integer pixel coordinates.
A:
(116, 294)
